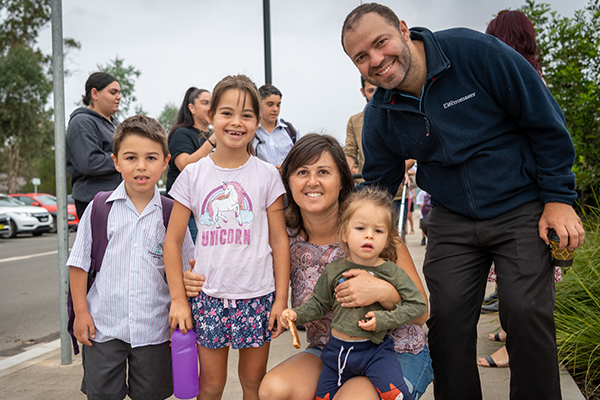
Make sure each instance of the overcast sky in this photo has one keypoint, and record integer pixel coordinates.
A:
(181, 43)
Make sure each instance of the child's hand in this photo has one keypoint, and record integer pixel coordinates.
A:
(283, 320)
(192, 282)
(370, 324)
(276, 328)
(180, 316)
(83, 328)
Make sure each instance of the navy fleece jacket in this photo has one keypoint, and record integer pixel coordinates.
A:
(89, 146)
(486, 132)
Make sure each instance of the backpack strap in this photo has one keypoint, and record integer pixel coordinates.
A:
(290, 130)
(167, 207)
(98, 229)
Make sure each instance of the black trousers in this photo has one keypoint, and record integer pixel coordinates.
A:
(459, 254)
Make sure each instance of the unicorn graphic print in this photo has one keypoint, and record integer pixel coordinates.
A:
(224, 202)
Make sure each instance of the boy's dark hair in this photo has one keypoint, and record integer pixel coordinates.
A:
(377, 198)
(355, 15)
(98, 81)
(362, 82)
(268, 90)
(307, 150)
(140, 125)
(184, 115)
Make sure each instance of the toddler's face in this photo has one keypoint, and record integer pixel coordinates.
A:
(367, 235)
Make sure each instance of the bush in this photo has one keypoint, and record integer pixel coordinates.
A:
(577, 311)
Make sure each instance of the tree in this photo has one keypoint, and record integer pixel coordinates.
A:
(167, 116)
(126, 75)
(570, 50)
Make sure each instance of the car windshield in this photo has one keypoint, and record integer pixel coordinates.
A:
(10, 202)
(46, 199)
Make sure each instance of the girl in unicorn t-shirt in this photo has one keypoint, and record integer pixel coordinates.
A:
(242, 246)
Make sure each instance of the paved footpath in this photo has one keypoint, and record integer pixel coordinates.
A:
(37, 373)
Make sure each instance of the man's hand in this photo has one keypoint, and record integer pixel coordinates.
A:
(563, 219)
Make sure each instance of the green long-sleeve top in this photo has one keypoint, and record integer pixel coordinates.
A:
(346, 319)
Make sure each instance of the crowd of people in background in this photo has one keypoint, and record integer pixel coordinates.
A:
(258, 207)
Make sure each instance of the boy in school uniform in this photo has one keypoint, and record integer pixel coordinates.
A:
(123, 321)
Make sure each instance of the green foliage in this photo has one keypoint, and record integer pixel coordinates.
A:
(24, 19)
(126, 75)
(570, 50)
(577, 311)
(24, 91)
(168, 115)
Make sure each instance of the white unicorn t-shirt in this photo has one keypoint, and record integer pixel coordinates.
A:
(230, 207)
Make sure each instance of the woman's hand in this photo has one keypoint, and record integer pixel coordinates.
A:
(192, 282)
(362, 289)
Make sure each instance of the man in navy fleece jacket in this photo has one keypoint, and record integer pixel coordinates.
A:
(495, 156)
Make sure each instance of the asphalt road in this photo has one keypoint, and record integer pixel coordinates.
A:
(29, 309)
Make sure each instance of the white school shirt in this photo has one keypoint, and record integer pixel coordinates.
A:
(130, 298)
(276, 145)
(230, 207)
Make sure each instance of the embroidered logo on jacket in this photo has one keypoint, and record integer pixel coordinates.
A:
(455, 102)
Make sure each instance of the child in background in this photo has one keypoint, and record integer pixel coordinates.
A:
(424, 202)
(123, 322)
(242, 247)
(359, 344)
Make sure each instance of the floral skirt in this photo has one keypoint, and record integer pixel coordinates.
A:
(234, 323)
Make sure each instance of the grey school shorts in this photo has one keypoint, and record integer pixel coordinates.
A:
(105, 371)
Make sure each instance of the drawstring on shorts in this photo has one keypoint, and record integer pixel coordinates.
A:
(341, 367)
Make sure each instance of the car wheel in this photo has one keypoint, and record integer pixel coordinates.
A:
(12, 230)
(53, 226)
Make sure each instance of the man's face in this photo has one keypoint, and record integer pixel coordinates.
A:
(368, 91)
(379, 51)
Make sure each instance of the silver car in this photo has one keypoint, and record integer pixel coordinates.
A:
(24, 219)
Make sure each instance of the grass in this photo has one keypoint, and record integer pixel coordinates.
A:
(577, 311)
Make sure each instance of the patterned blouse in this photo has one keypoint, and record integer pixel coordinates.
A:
(307, 262)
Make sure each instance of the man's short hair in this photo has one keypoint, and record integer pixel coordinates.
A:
(143, 126)
(268, 90)
(355, 15)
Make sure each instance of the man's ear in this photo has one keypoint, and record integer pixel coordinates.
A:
(404, 31)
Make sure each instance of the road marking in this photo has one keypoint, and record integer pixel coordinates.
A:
(29, 354)
(27, 257)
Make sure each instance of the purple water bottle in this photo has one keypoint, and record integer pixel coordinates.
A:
(185, 365)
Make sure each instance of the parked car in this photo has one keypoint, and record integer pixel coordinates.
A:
(4, 224)
(23, 218)
(48, 202)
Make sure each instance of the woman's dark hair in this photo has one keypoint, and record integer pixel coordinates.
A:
(307, 150)
(184, 115)
(98, 81)
(516, 30)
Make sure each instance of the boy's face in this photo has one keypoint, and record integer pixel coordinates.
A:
(140, 161)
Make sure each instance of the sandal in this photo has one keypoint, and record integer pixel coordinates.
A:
(497, 338)
(491, 363)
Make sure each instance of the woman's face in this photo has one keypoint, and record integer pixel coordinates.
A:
(200, 107)
(316, 187)
(106, 101)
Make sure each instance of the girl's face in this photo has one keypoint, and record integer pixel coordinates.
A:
(316, 187)
(366, 234)
(200, 108)
(106, 101)
(234, 120)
